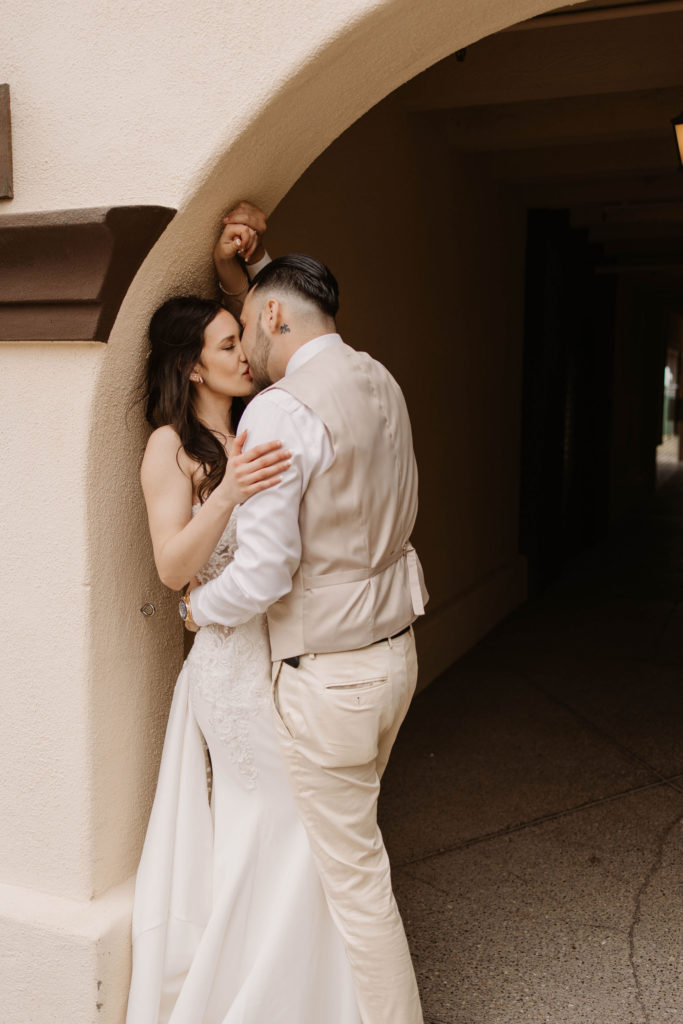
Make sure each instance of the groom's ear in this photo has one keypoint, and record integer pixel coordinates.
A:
(272, 316)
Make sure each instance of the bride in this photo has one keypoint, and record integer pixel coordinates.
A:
(230, 924)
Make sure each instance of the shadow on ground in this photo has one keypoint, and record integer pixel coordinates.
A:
(533, 805)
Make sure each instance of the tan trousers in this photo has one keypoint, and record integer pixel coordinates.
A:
(337, 716)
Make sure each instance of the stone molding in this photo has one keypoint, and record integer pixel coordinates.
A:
(64, 274)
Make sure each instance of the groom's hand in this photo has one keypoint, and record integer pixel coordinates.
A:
(235, 240)
(249, 216)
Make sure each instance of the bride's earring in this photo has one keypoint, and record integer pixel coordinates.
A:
(196, 378)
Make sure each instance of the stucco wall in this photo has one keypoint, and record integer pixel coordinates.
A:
(45, 395)
(188, 106)
(133, 103)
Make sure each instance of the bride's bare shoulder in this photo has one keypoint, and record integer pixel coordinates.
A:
(164, 448)
(163, 439)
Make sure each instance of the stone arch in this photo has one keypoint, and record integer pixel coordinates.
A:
(134, 659)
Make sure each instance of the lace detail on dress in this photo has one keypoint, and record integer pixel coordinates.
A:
(229, 668)
(223, 553)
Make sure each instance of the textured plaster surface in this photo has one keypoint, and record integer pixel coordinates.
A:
(45, 774)
(63, 960)
(134, 103)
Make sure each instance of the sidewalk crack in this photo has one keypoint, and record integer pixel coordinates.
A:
(655, 868)
(593, 726)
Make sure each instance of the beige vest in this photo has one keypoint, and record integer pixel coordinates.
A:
(359, 579)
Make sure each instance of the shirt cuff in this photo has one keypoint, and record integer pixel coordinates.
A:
(221, 600)
(197, 617)
(253, 268)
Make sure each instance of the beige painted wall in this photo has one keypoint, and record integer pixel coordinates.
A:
(121, 103)
(45, 396)
(193, 106)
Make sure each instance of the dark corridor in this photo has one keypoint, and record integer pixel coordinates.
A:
(533, 805)
(602, 324)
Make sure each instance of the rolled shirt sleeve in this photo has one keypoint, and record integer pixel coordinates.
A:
(268, 537)
(254, 268)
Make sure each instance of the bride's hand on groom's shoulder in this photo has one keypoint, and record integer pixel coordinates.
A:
(247, 473)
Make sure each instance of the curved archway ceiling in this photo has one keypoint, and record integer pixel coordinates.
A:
(573, 110)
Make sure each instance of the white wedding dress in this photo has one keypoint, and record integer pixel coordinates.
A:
(230, 924)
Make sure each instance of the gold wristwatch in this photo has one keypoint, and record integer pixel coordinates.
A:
(185, 609)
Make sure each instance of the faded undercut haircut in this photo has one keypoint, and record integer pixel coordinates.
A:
(303, 276)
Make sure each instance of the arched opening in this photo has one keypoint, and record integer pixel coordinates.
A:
(422, 210)
(133, 659)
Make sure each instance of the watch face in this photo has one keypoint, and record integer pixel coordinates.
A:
(182, 608)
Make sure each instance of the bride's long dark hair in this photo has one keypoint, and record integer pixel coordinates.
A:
(176, 335)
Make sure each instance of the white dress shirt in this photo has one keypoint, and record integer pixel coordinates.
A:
(268, 538)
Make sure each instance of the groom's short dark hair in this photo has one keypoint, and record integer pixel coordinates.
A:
(302, 275)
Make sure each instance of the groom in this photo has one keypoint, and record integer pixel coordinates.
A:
(327, 554)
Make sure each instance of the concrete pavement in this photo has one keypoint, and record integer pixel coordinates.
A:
(533, 805)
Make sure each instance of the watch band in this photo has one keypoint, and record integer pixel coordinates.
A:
(185, 609)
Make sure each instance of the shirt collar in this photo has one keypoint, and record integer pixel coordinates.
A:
(310, 349)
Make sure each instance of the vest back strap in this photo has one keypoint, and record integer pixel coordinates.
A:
(333, 579)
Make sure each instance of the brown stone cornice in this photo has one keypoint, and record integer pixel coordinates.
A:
(63, 274)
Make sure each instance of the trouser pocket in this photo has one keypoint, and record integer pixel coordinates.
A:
(275, 694)
(334, 706)
(364, 684)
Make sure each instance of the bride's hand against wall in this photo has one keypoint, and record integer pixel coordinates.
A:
(258, 469)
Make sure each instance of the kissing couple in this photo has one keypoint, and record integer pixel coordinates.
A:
(280, 481)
